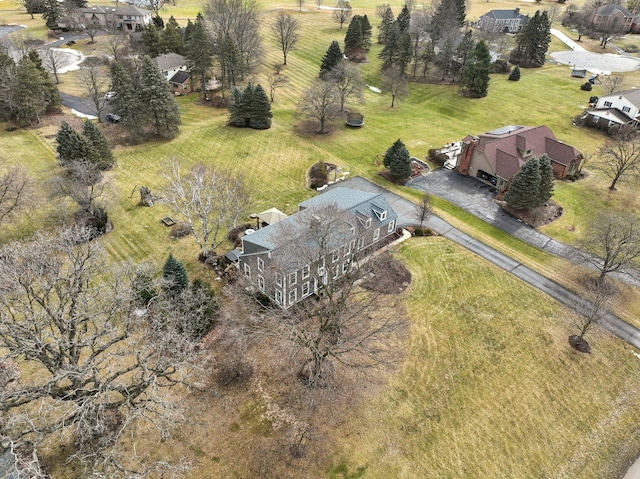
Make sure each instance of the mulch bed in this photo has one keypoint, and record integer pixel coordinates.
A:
(535, 217)
(391, 276)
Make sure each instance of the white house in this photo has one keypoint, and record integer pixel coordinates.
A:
(123, 17)
(170, 64)
(618, 108)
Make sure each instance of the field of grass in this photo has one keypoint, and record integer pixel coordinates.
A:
(490, 387)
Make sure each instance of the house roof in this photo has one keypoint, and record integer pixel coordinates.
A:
(508, 148)
(632, 95)
(271, 216)
(606, 10)
(352, 201)
(119, 10)
(180, 77)
(505, 14)
(612, 114)
(169, 61)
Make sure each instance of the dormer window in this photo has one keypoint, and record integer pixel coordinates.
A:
(365, 221)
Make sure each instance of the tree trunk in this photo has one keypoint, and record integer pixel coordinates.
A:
(393, 100)
(321, 125)
(613, 184)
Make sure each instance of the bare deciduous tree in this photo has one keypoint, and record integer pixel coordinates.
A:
(395, 82)
(91, 363)
(320, 102)
(276, 81)
(94, 81)
(348, 82)
(620, 158)
(425, 209)
(83, 183)
(285, 31)
(612, 83)
(614, 240)
(300, 4)
(115, 43)
(210, 201)
(92, 29)
(53, 60)
(342, 12)
(591, 311)
(347, 324)
(16, 192)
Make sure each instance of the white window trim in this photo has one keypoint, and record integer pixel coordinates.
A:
(360, 243)
(293, 296)
(345, 266)
(278, 296)
(376, 234)
(306, 271)
(260, 264)
(335, 256)
(391, 227)
(261, 282)
(278, 279)
(336, 271)
(293, 278)
(347, 249)
(247, 270)
(305, 289)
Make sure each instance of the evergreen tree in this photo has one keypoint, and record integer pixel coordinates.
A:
(170, 38)
(465, 49)
(48, 87)
(533, 41)
(126, 102)
(475, 77)
(353, 40)
(237, 112)
(175, 277)
(188, 30)
(73, 147)
(103, 157)
(199, 50)
(449, 16)
(230, 60)
(52, 13)
(398, 161)
(391, 51)
(331, 58)
(248, 104)
(385, 24)
(545, 188)
(63, 138)
(31, 93)
(524, 188)
(261, 117)
(365, 27)
(157, 101)
(404, 19)
(515, 74)
(151, 41)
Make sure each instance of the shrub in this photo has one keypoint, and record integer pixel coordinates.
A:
(180, 230)
(437, 157)
(515, 74)
(499, 66)
(423, 232)
(586, 86)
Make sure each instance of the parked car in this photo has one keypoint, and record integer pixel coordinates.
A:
(109, 95)
(113, 118)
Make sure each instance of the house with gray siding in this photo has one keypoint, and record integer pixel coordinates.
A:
(503, 21)
(291, 260)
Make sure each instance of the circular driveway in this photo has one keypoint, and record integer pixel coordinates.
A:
(597, 62)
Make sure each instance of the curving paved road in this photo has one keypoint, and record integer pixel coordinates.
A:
(406, 211)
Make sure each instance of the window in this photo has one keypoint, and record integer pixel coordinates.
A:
(293, 278)
(278, 279)
(305, 271)
(383, 216)
(376, 234)
(260, 264)
(247, 270)
(391, 227)
(626, 109)
(261, 282)
(360, 243)
(345, 266)
(278, 296)
(321, 266)
(293, 296)
(305, 289)
(607, 104)
(347, 249)
(314, 284)
(336, 271)
(335, 256)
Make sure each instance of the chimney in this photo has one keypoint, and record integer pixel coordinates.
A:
(517, 10)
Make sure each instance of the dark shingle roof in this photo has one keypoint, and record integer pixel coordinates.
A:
(179, 78)
(505, 14)
(606, 10)
(168, 61)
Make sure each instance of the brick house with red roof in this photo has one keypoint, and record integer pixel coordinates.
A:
(496, 156)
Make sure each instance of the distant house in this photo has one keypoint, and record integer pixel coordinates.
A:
(181, 83)
(612, 19)
(635, 24)
(503, 21)
(496, 156)
(123, 17)
(170, 64)
(293, 258)
(619, 108)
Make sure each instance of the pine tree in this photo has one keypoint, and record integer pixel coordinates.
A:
(261, 119)
(475, 77)
(515, 74)
(52, 12)
(236, 108)
(175, 276)
(157, 101)
(404, 19)
(331, 58)
(49, 89)
(398, 161)
(385, 24)
(533, 41)
(465, 49)
(151, 41)
(524, 188)
(391, 51)
(63, 138)
(30, 93)
(545, 188)
(103, 157)
(230, 60)
(73, 147)
(353, 40)
(170, 38)
(199, 50)
(449, 16)
(248, 104)
(365, 26)
(126, 102)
